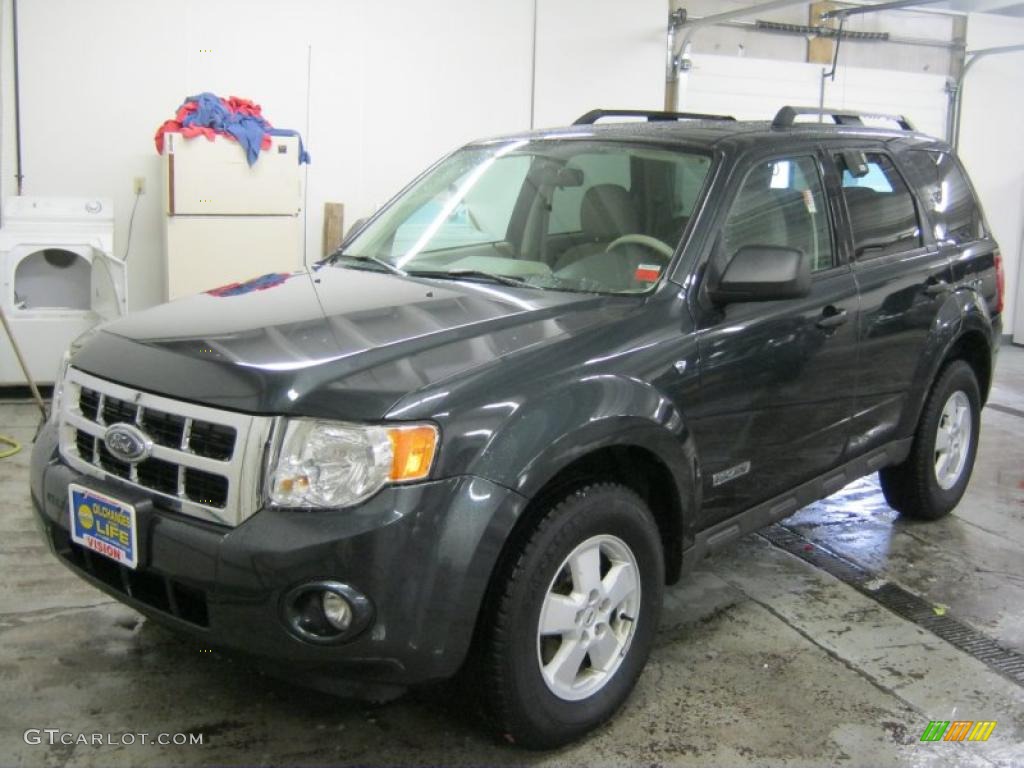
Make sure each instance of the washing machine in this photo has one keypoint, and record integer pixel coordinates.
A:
(60, 278)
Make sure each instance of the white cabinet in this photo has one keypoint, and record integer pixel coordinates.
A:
(225, 221)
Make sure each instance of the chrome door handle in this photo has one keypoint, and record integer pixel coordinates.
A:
(832, 317)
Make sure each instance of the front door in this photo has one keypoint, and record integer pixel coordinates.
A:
(777, 388)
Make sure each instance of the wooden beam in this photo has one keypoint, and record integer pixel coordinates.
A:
(334, 226)
(820, 50)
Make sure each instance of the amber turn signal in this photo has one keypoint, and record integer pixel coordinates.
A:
(412, 449)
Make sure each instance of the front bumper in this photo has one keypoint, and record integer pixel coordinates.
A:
(422, 554)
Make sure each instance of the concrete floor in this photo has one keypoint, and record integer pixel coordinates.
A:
(762, 659)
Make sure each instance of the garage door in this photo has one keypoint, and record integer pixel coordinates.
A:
(756, 88)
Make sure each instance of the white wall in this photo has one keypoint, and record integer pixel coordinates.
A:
(598, 53)
(992, 146)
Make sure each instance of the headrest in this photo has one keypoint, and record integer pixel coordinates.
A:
(607, 211)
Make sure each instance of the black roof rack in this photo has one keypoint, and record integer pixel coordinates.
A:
(786, 116)
(651, 116)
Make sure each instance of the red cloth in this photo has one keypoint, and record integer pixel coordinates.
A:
(234, 104)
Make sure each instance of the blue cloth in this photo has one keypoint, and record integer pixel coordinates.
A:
(247, 129)
(303, 154)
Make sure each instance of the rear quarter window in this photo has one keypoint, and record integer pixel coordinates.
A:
(949, 202)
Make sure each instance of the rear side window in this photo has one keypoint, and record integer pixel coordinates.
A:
(781, 203)
(883, 216)
(942, 186)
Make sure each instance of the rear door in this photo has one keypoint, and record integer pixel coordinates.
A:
(777, 388)
(903, 277)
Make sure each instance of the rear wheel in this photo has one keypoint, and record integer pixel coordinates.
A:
(574, 617)
(933, 478)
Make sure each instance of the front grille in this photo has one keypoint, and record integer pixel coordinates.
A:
(211, 440)
(165, 428)
(113, 465)
(89, 403)
(204, 488)
(115, 411)
(85, 444)
(159, 475)
(204, 461)
(204, 438)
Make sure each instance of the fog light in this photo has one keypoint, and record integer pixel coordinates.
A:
(337, 611)
(326, 612)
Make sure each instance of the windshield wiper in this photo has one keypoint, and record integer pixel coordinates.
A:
(372, 259)
(477, 273)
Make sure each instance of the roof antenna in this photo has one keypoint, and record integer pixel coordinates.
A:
(831, 74)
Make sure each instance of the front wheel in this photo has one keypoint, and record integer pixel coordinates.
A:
(933, 478)
(574, 617)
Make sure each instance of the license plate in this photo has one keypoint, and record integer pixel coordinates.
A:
(103, 524)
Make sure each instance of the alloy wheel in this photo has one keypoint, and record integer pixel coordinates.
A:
(588, 618)
(953, 440)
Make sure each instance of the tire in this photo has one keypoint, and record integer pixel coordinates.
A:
(541, 711)
(933, 478)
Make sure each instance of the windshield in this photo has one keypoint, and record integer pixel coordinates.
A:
(575, 215)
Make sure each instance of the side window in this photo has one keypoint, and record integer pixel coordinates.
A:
(781, 203)
(479, 214)
(597, 168)
(882, 212)
(942, 185)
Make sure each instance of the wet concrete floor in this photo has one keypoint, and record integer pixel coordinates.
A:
(762, 658)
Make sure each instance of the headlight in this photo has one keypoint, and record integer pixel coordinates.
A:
(333, 464)
(58, 386)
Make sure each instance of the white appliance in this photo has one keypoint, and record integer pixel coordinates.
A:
(225, 221)
(59, 278)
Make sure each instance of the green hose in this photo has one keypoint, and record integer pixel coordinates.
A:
(15, 446)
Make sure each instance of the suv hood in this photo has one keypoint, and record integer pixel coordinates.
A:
(330, 341)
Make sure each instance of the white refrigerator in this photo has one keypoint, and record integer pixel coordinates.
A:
(227, 222)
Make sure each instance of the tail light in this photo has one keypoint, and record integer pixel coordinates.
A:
(1000, 284)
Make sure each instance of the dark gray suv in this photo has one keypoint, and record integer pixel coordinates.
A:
(539, 385)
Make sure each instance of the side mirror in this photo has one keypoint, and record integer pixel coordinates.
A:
(763, 273)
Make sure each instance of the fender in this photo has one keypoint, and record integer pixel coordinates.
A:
(964, 311)
(549, 433)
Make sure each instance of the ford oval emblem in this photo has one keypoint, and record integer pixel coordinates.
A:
(127, 443)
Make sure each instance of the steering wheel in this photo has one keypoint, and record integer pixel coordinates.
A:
(659, 246)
